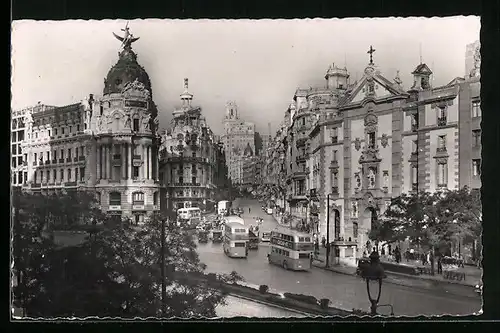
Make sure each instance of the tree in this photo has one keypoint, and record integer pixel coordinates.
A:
(116, 272)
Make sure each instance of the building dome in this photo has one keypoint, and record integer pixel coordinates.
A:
(126, 70)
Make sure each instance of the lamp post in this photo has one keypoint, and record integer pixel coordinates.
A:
(374, 271)
(163, 285)
(327, 230)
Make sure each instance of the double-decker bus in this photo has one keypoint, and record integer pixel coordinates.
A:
(191, 216)
(233, 219)
(235, 240)
(290, 249)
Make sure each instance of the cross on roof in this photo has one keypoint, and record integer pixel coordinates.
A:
(371, 51)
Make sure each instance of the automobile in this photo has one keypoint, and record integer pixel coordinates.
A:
(253, 242)
(240, 210)
(203, 237)
(269, 211)
(200, 226)
(217, 236)
(266, 237)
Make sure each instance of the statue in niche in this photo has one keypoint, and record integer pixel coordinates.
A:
(384, 141)
(145, 122)
(357, 180)
(354, 209)
(357, 144)
(128, 122)
(371, 178)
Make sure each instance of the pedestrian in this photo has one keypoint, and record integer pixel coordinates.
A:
(431, 260)
(323, 241)
(248, 210)
(440, 265)
(397, 254)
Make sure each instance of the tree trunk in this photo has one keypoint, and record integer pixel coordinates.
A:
(432, 261)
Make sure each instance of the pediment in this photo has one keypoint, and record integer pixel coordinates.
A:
(373, 88)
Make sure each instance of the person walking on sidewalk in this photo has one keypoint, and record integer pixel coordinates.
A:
(248, 210)
(323, 241)
(440, 265)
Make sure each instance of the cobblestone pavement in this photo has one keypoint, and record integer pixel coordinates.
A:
(344, 291)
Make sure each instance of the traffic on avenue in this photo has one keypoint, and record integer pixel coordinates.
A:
(344, 291)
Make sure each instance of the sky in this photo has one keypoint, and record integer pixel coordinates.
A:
(256, 63)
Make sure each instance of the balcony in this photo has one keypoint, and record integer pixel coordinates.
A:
(54, 161)
(36, 185)
(186, 184)
(115, 208)
(68, 159)
(47, 162)
(81, 158)
(70, 184)
(441, 121)
(138, 205)
(61, 160)
(334, 164)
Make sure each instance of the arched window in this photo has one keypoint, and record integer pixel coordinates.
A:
(115, 199)
(138, 198)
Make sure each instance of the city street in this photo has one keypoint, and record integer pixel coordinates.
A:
(344, 291)
(237, 307)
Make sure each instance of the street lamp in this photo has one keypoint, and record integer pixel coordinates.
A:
(374, 272)
(327, 230)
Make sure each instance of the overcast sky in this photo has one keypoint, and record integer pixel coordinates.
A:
(258, 64)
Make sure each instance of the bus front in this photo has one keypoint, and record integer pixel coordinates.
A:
(290, 250)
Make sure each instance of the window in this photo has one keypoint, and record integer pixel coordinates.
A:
(49, 132)
(335, 155)
(335, 180)
(35, 156)
(82, 174)
(20, 178)
(193, 180)
(135, 172)
(193, 168)
(181, 180)
(476, 138)
(62, 153)
(136, 125)
(442, 170)
(139, 219)
(476, 109)
(47, 156)
(62, 130)
(155, 198)
(36, 135)
(61, 175)
(334, 135)
(55, 131)
(76, 174)
(371, 140)
(193, 154)
(70, 129)
(138, 198)
(48, 175)
(78, 128)
(476, 167)
(14, 162)
(20, 135)
(442, 141)
(69, 153)
(115, 199)
(69, 175)
(355, 229)
(54, 176)
(25, 177)
(14, 149)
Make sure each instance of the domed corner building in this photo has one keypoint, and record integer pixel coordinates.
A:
(122, 150)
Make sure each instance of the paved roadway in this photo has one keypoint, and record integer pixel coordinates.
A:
(239, 307)
(344, 291)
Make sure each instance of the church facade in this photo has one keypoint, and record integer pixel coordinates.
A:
(350, 148)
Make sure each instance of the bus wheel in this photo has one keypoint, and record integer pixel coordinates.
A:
(285, 266)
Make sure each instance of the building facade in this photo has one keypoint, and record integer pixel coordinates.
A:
(350, 148)
(104, 144)
(238, 134)
(190, 160)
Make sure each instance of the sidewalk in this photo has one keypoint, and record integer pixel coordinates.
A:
(473, 275)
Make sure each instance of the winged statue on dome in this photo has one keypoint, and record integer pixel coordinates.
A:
(127, 38)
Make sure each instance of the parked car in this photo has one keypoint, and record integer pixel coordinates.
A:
(203, 237)
(266, 237)
(269, 211)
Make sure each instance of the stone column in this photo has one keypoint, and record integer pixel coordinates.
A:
(98, 162)
(129, 160)
(150, 158)
(141, 168)
(157, 163)
(109, 157)
(123, 150)
(103, 161)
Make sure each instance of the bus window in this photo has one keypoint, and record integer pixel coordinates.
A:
(239, 244)
(304, 255)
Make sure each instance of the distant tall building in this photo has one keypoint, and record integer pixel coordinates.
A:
(472, 59)
(238, 134)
